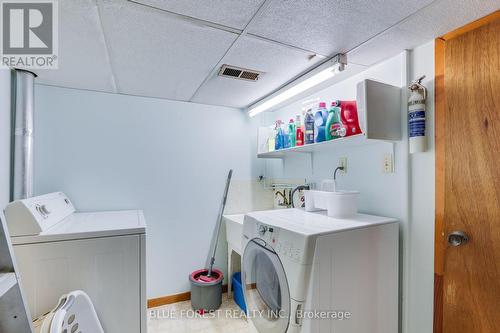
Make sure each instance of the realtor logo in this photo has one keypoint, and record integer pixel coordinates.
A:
(29, 34)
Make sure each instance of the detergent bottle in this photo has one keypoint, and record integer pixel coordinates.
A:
(279, 144)
(320, 122)
(286, 138)
(334, 127)
(292, 133)
(349, 117)
(299, 133)
(309, 127)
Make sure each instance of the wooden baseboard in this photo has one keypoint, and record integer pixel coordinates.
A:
(159, 301)
(186, 296)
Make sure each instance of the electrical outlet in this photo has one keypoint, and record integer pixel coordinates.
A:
(388, 163)
(343, 163)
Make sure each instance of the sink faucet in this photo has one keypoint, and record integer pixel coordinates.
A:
(341, 168)
(282, 194)
(298, 188)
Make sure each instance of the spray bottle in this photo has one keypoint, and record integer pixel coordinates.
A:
(291, 133)
(299, 133)
(279, 143)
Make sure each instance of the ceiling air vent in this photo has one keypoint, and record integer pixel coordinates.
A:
(239, 73)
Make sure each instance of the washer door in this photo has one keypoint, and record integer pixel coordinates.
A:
(266, 289)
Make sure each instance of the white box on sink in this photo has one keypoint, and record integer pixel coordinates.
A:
(339, 204)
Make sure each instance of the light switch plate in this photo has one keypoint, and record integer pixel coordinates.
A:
(388, 163)
(342, 163)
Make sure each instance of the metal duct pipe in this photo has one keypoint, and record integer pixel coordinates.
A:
(22, 162)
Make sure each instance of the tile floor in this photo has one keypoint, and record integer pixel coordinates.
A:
(180, 318)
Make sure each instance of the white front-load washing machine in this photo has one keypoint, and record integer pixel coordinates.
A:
(307, 272)
(59, 250)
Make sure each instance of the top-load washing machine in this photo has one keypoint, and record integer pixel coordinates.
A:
(59, 250)
(307, 272)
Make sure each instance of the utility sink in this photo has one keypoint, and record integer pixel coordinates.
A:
(234, 231)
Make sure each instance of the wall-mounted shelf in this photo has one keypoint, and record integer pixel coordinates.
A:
(350, 141)
(379, 113)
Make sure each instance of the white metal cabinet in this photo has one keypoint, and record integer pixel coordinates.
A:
(108, 269)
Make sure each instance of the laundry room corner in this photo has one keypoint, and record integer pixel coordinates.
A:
(145, 153)
(407, 193)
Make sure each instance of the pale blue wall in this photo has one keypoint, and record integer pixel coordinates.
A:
(422, 207)
(168, 158)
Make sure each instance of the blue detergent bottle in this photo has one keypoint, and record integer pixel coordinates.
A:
(320, 118)
(308, 127)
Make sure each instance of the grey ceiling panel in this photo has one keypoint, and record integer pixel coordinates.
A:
(231, 13)
(157, 55)
(279, 64)
(433, 21)
(83, 59)
(149, 52)
(327, 26)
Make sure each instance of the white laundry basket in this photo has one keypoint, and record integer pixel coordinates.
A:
(42, 324)
(75, 313)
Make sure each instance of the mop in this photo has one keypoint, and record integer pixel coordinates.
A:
(206, 284)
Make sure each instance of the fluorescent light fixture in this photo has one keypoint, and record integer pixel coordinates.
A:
(334, 66)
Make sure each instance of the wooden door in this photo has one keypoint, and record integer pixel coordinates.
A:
(467, 293)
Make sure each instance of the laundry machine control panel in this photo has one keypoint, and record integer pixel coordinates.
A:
(34, 215)
(268, 233)
(284, 243)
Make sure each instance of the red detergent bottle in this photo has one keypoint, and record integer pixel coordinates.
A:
(349, 117)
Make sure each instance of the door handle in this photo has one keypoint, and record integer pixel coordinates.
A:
(457, 238)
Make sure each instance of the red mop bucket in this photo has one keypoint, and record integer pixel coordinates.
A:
(206, 291)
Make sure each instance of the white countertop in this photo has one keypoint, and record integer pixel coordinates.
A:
(90, 225)
(234, 231)
(238, 218)
(315, 223)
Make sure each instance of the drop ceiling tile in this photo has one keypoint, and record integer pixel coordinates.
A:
(231, 13)
(83, 59)
(156, 55)
(431, 22)
(329, 27)
(279, 64)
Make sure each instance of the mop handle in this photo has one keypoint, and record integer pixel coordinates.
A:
(219, 220)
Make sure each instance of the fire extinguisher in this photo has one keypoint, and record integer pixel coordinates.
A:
(416, 116)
